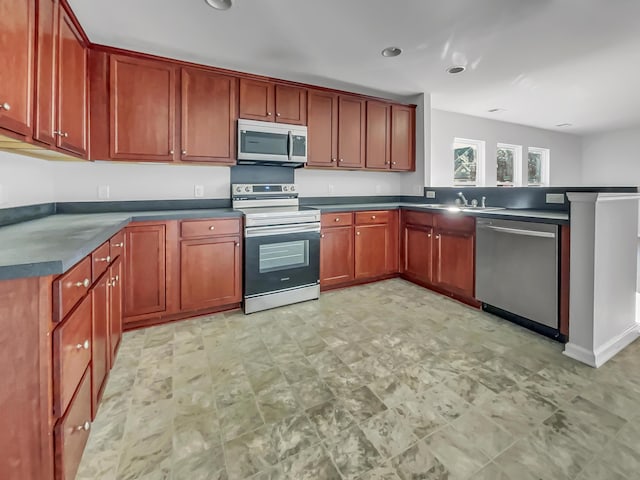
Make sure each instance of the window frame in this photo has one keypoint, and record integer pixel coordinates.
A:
(480, 147)
(545, 153)
(517, 164)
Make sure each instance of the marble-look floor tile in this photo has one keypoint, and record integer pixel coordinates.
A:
(489, 437)
(490, 472)
(312, 463)
(443, 401)
(470, 390)
(277, 402)
(330, 418)
(389, 433)
(194, 434)
(458, 452)
(392, 391)
(291, 435)
(250, 453)
(239, 418)
(362, 403)
(312, 392)
(419, 463)
(353, 453)
(384, 472)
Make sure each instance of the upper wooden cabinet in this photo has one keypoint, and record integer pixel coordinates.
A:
(403, 139)
(378, 135)
(208, 117)
(46, 74)
(271, 102)
(142, 113)
(390, 136)
(351, 131)
(322, 129)
(17, 27)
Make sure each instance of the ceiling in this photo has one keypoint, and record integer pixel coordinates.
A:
(545, 62)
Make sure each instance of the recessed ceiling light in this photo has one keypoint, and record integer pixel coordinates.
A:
(564, 125)
(220, 4)
(496, 110)
(456, 69)
(391, 52)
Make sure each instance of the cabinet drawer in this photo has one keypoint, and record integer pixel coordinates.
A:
(71, 354)
(72, 431)
(372, 217)
(100, 260)
(455, 223)
(207, 228)
(417, 218)
(116, 245)
(336, 219)
(70, 288)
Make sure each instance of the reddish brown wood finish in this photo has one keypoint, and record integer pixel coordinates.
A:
(378, 150)
(565, 261)
(25, 379)
(210, 272)
(373, 217)
(322, 128)
(149, 321)
(73, 89)
(115, 308)
(142, 114)
(371, 247)
(336, 219)
(207, 228)
(71, 354)
(71, 433)
(99, 128)
(455, 223)
(46, 72)
(116, 245)
(257, 100)
(417, 218)
(209, 111)
(144, 270)
(100, 260)
(417, 252)
(291, 105)
(17, 27)
(351, 131)
(455, 262)
(403, 128)
(100, 352)
(71, 287)
(336, 253)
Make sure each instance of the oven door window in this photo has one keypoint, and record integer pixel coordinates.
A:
(283, 256)
(264, 143)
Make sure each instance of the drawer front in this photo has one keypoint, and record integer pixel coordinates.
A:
(116, 245)
(336, 219)
(70, 288)
(71, 354)
(72, 431)
(208, 228)
(372, 217)
(100, 260)
(455, 223)
(417, 218)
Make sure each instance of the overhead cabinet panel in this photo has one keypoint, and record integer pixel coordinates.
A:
(46, 74)
(257, 100)
(402, 137)
(351, 132)
(322, 129)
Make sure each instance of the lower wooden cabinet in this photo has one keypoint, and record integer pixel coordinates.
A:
(454, 262)
(100, 350)
(115, 308)
(418, 252)
(336, 255)
(371, 250)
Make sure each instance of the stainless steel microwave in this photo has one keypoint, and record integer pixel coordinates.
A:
(267, 143)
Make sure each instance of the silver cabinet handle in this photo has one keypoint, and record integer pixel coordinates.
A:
(393, 163)
(337, 219)
(83, 346)
(357, 233)
(5, 106)
(438, 236)
(170, 152)
(85, 427)
(119, 245)
(105, 259)
(429, 235)
(268, 114)
(322, 236)
(373, 217)
(237, 244)
(60, 133)
(333, 160)
(212, 227)
(277, 114)
(85, 283)
(341, 160)
(184, 152)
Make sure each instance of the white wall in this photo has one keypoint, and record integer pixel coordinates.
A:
(610, 158)
(24, 181)
(565, 156)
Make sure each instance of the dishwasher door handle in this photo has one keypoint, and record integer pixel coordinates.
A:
(518, 231)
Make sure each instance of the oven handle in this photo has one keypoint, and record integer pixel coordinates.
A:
(281, 230)
(290, 145)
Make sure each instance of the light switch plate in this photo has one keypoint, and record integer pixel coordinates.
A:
(431, 194)
(555, 198)
(104, 192)
(330, 189)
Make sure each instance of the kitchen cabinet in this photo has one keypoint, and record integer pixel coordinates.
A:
(336, 253)
(100, 349)
(378, 147)
(418, 253)
(271, 102)
(17, 27)
(208, 107)
(142, 113)
(351, 131)
(144, 271)
(454, 269)
(46, 72)
(322, 127)
(115, 308)
(403, 129)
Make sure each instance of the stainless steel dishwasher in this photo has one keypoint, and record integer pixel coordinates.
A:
(517, 272)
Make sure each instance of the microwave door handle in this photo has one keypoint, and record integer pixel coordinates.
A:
(290, 145)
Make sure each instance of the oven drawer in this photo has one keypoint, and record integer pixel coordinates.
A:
(70, 288)
(208, 228)
(71, 354)
(100, 259)
(372, 217)
(72, 431)
(336, 219)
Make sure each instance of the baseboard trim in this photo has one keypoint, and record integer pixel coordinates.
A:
(606, 352)
(580, 354)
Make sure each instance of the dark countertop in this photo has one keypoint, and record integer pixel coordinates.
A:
(523, 215)
(52, 245)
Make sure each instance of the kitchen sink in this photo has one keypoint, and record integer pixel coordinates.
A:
(457, 208)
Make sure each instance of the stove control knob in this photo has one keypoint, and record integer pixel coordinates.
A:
(285, 188)
(238, 189)
(293, 188)
(247, 189)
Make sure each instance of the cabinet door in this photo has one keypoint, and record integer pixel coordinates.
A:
(291, 105)
(115, 309)
(100, 352)
(208, 117)
(322, 128)
(378, 135)
(336, 256)
(351, 132)
(142, 116)
(371, 248)
(454, 262)
(16, 59)
(257, 100)
(210, 272)
(403, 137)
(72, 89)
(418, 251)
(144, 270)
(45, 111)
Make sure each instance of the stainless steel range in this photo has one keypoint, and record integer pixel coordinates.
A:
(281, 248)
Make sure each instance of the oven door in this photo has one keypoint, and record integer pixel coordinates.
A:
(281, 257)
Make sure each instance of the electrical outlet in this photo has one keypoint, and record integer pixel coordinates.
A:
(378, 188)
(104, 192)
(555, 198)
(198, 191)
(419, 189)
(431, 194)
(330, 189)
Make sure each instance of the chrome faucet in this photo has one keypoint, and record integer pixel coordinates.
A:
(483, 204)
(463, 198)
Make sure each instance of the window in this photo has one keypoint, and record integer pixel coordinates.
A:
(538, 166)
(509, 159)
(468, 158)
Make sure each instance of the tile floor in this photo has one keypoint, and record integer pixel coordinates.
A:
(386, 381)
